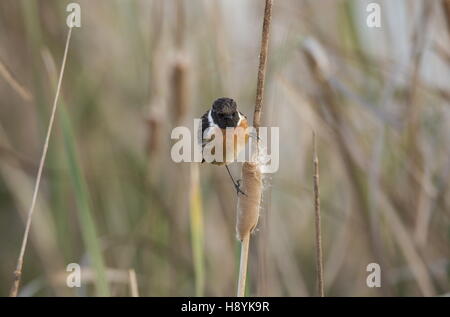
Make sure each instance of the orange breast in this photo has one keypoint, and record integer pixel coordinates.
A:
(240, 139)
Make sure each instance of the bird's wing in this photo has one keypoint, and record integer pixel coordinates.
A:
(203, 126)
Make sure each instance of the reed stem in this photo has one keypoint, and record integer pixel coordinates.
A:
(243, 264)
(134, 290)
(251, 207)
(319, 255)
(18, 271)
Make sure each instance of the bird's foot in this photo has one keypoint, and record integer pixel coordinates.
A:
(238, 188)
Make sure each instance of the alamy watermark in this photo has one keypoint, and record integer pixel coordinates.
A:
(374, 17)
(74, 277)
(74, 18)
(374, 278)
(227, 145)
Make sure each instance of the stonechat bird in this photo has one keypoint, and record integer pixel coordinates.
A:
(222, 116)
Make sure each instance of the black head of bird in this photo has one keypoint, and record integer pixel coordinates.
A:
(225, 113)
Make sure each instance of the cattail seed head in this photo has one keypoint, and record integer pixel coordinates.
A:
(154, 124)
(248, 205)
(180, 88)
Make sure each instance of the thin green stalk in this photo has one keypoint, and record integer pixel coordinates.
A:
(197, 236)
(87, 223)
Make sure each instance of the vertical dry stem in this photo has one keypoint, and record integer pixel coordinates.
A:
(133, 283)
(250, 172)
(18, 271)
(243, 265)
(319, 256)
(262, 64)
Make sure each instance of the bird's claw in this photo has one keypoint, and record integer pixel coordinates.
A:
(238, 188)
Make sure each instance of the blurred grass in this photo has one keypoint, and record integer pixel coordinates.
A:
(87, 224)
(111, 196)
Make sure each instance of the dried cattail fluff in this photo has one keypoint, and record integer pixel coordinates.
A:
(248, 205)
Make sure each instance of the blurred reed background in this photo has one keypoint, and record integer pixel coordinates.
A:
(112, 200)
